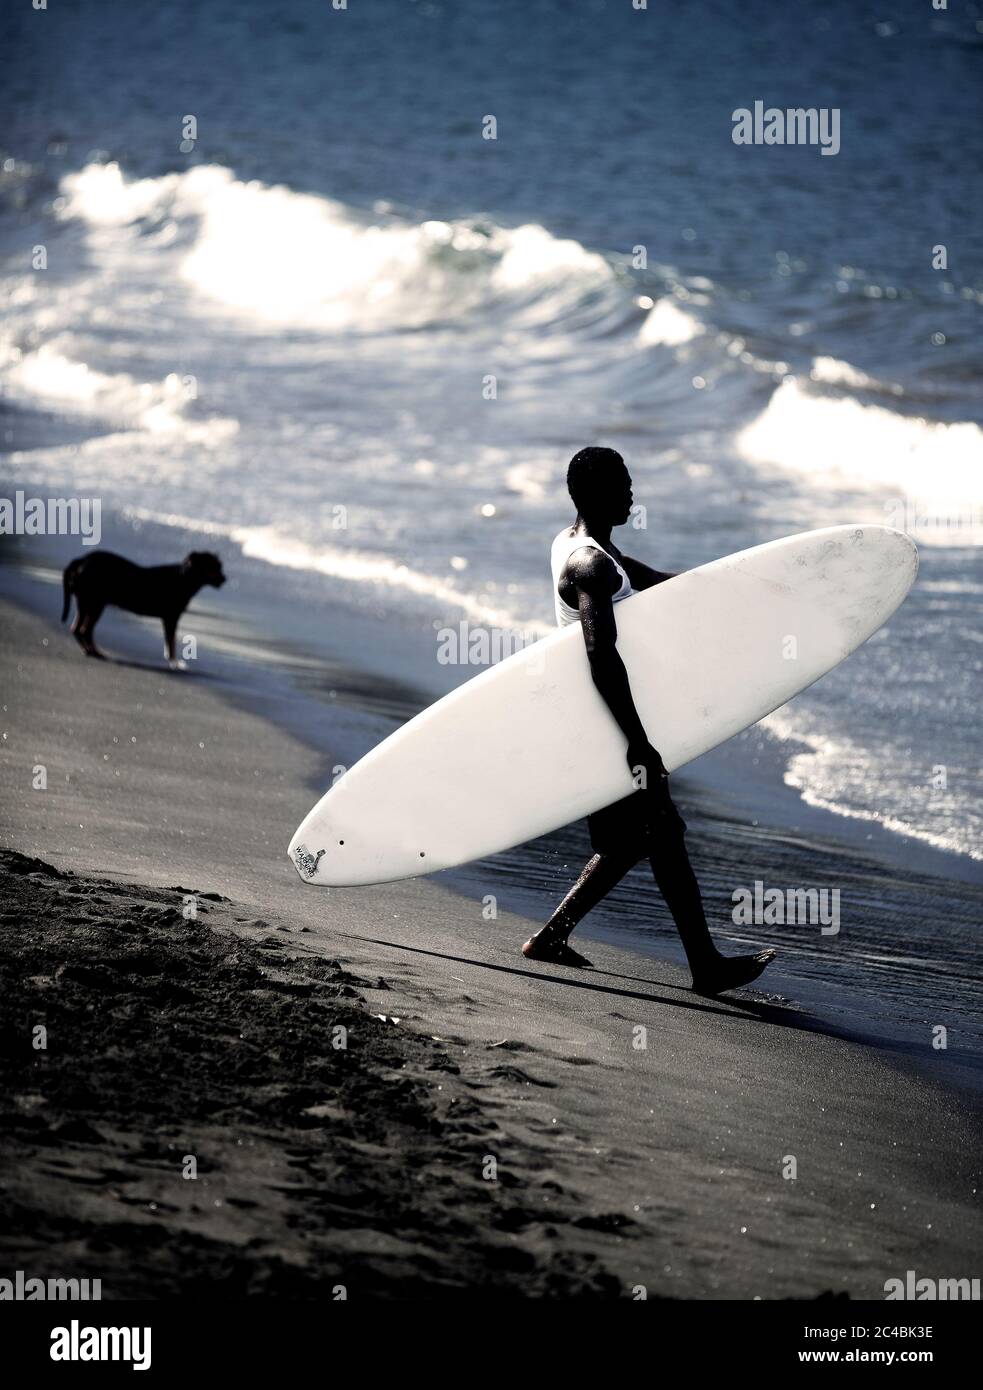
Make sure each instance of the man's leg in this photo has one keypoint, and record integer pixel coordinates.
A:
(673, 873)
(599, 876)
(676, 881)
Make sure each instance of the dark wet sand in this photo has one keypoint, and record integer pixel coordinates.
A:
(617, 1164)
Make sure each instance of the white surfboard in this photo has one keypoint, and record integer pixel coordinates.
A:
(529, 745)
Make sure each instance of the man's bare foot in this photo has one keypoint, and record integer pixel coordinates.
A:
(730, 972)
(556, 952)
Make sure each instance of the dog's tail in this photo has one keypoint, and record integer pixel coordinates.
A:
(68, 587)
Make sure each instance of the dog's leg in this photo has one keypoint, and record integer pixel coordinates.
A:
(170, 644)
(85, 631)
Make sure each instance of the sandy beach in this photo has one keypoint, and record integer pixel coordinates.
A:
(492, 1126)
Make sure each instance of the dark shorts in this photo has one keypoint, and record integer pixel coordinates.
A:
(632, 821)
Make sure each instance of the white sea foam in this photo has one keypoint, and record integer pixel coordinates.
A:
(48, 377)
(287, 257)
(275, 547)
(928, 472)
(667, 325)
(836, 373)
(101, 195)
(836, 773)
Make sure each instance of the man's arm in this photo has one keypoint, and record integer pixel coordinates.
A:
(593, 573)
(642, 576)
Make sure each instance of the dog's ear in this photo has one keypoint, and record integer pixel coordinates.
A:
(190, 562)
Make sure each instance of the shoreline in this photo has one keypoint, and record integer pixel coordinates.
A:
(879, 988)
(671, 1153)
(746, 772)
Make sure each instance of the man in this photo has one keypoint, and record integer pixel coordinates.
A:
(591, 575)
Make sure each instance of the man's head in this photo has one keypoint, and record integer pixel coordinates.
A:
(600, 485)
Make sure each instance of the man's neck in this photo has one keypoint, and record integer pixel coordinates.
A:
(600, 531)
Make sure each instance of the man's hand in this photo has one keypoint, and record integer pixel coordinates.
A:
(646, 766)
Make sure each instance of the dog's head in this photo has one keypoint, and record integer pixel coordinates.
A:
(204, 568)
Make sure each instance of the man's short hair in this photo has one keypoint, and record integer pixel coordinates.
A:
(589, 470)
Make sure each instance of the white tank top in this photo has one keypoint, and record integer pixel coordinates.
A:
(563, 547)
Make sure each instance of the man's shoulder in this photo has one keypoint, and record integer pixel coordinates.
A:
(588, 564)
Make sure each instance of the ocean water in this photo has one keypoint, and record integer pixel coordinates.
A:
(341, 333)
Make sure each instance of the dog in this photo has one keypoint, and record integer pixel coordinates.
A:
(161, 591)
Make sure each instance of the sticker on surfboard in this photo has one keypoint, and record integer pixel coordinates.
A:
(306, 862)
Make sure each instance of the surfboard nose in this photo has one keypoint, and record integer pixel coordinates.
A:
(906, 547)
(305, 860)
(872, 568)
(889, 534)
(330, 851)
(896, 573)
